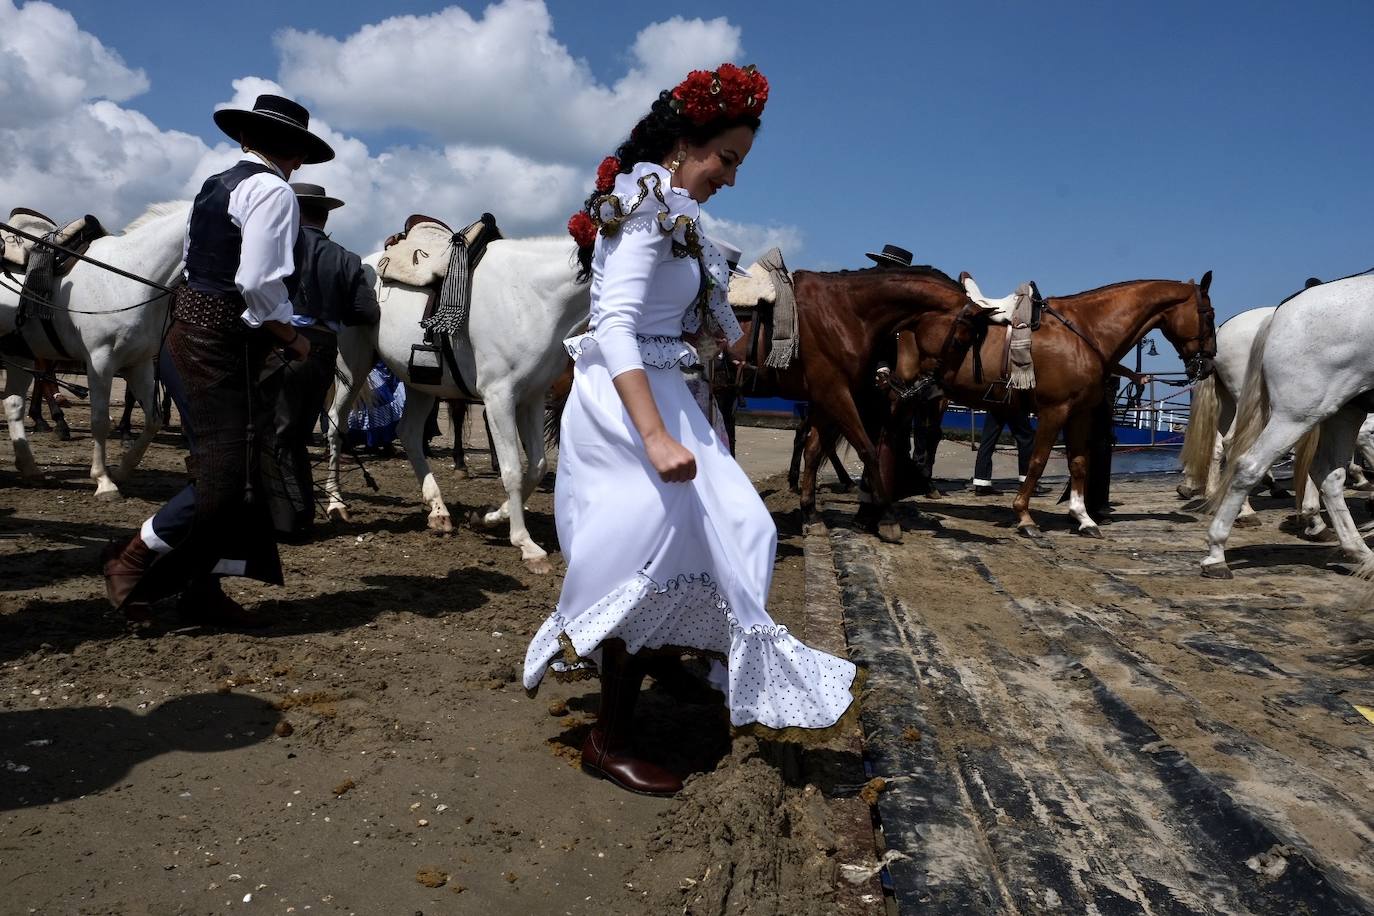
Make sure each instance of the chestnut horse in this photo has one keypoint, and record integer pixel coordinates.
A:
(1080, 341)
(846, 320)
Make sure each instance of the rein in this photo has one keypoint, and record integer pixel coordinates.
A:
(81, 257)
(1050, 310)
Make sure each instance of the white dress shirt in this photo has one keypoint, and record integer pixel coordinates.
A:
(264, 208)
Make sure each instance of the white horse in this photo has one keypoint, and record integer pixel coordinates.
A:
(112, 324)
(1310, 370)
(1212, 426)
(525, 300)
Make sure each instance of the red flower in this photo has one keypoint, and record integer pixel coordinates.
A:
(606, 172)
(582, 229)
(729, 91)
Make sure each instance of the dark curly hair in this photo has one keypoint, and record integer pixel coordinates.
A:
(651, 140)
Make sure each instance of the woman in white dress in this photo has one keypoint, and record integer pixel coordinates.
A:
(668, 545)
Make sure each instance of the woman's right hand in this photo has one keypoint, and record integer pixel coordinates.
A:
(674, 463)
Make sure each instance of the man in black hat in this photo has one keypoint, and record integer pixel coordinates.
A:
(332, 292)
(232, 311)
(890, 256)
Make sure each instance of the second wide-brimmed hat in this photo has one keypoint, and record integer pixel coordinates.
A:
(891, 254)
(275, 116)
(312, 195)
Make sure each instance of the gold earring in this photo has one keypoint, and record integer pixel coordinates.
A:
(677, 161)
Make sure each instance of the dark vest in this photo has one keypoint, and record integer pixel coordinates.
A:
(214, 243)
(325, 273)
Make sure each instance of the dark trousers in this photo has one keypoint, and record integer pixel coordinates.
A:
(993, 425)
(216, 524)
(294, 392)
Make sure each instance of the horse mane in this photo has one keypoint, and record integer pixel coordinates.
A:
(1109, 286)
(157, 211)
(922, 270)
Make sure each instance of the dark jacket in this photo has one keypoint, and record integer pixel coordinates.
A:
(333, 286)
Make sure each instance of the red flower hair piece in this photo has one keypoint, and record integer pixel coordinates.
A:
(728, 91)
(605, 174)
(582, 229)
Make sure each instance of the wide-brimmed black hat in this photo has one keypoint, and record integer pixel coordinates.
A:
(312, 195)
(891, 254)
(275, 116)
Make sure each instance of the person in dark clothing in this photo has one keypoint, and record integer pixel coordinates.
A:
(234, 310)
(332, 292)
(993, 424)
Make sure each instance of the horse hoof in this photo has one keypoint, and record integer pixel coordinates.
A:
(461, 473)
(1030, 531)
(1185, 492)
(1325, 536)
(1216, 571)
(1091, 531)
(934, 494)
(540, 566)
(109, 495)
(890, 533)
(1280, 493)
(441, 524)
(1248, 521)
(338, 514)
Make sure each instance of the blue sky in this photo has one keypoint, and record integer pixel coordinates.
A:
(1074, 143)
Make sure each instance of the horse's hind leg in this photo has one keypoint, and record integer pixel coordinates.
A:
(101, 377)
(1329, 470)
(17, 382)
(458, 417)
(1278, 436)
(798, 446)
(505, 429)
(412, 433)
(350, 369)
(142, 387)
(1076, 434)
(1046, 431)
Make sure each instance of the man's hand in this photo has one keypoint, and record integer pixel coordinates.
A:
(298, 348)
(674, 463)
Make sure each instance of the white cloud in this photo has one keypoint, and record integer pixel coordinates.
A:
(48, 65)
(521, 143)
(502, 79)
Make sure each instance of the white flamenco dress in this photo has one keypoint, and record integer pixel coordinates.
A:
(679, 565)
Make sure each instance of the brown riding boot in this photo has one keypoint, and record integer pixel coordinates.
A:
(607, 751)
(123, 565)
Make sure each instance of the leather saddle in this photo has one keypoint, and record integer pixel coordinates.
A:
(419, 254)
(1004, 310)
(77, 235)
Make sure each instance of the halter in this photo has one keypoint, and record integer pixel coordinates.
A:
(1197, 365)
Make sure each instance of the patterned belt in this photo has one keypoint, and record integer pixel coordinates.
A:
(208, 310)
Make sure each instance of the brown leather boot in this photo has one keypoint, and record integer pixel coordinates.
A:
(205, 602)
(123, 565)
(607, 751)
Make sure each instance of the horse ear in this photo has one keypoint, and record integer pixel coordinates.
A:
(1206, 282)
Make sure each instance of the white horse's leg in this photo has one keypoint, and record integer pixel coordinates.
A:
(141, 385)
(505, 431)
(17, 383)
(1278, 436)
(351, 367)
(1310, 510)
(531, 419)
(412, 433)
(100, 377)
(1329, 469)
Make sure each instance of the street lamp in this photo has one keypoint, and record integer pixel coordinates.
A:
(1141, 346)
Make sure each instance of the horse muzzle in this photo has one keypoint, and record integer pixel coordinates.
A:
(1200, 367)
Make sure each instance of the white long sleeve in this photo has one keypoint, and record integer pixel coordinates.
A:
(264, 208)
(630, 260)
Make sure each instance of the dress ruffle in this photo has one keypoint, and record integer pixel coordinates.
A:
(660, 352)
(774, 679)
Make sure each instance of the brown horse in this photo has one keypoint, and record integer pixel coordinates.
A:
(1078, 345)
(846, 321)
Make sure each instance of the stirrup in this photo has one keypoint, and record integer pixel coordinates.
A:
(925, 388)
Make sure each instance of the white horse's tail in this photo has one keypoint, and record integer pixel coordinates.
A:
(1252, 414)
(1196, 454)
(1303, 453)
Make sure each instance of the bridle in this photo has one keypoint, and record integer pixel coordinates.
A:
(1201, 363)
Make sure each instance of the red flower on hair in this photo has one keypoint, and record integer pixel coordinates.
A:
(606, 172)
(728, 91)
(582, 229)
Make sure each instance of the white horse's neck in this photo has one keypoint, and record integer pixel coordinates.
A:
(152, 249)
